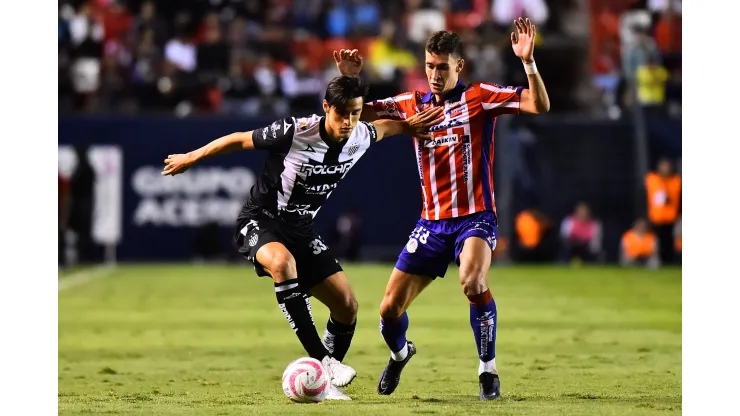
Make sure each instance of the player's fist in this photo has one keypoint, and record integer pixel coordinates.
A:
(349, 62)
(175, 164)
(522, 39)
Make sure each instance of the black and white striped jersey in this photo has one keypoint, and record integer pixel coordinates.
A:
(303, 167)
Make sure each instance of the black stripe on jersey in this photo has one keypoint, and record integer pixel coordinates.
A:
(335, 148)
(332, 154)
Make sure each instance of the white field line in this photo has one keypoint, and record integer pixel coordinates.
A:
(84, 276)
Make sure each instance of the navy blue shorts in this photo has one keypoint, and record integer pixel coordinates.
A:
(434, 244)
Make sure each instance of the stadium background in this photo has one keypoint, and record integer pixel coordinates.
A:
(150, 81)
(137, 83)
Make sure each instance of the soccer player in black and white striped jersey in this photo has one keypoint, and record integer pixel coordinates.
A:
(307, 159)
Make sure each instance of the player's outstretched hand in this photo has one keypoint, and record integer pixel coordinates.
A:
(175, 164)
(522, 39)
(349, 62)
(420, 122)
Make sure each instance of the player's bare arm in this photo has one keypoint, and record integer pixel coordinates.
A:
(179, 163)
(349, 62)
(423, 121)
(535, 99)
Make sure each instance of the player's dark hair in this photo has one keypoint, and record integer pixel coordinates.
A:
(445, 43)
(341, 90)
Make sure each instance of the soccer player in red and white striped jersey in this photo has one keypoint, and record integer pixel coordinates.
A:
(458, 218)
(456, 166)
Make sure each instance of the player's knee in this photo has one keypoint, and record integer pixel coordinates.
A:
(473, 279)
(353, 307)
(282, 266)
(390, 308)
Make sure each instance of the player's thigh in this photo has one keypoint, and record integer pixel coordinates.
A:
(262, 243)
(475, 260)
(473, 251)
(336, 293)
(400, 292)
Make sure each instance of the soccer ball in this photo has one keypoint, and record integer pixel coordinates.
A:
(305, 381)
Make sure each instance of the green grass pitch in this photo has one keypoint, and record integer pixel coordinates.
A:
(210, 340)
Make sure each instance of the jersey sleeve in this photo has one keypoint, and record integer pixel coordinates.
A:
(372, 131)
(398, 107)
(497, 99)
(277, 136)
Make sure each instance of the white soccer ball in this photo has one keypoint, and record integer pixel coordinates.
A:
(305, 381)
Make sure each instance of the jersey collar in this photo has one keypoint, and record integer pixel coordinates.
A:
(454, 93)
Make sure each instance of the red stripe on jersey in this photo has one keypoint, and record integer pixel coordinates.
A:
(462, 186)
(458, 181)
(442, 177)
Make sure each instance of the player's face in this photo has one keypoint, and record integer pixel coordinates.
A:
(343, 120)
(442, 71)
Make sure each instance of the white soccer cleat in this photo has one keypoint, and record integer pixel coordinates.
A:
(333, 393)
(341, 374)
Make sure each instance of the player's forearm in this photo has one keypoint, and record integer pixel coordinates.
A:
(537, 90)
(390, 127)
(538, 93)
(223, 145)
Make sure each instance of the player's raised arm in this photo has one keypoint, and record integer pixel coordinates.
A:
(535, 99)
(419, 129)
(275, 136)
(349, 62)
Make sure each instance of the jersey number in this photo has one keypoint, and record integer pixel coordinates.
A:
(317, 246)
(421, 234)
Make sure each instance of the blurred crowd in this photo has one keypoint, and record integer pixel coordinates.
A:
(636, 55)
(274, 56)
(263, 57)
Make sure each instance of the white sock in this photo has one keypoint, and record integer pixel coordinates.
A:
(487, 367)
(401, 355)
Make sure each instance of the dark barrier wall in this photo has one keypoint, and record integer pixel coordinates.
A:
(574, 161)
(567, 161)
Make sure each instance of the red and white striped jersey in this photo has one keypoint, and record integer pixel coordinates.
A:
(456, 165)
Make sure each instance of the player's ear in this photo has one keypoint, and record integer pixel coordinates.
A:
(326, 107)
(460, 64)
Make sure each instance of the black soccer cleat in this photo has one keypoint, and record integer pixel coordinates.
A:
(490, 386)
(392, 374)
